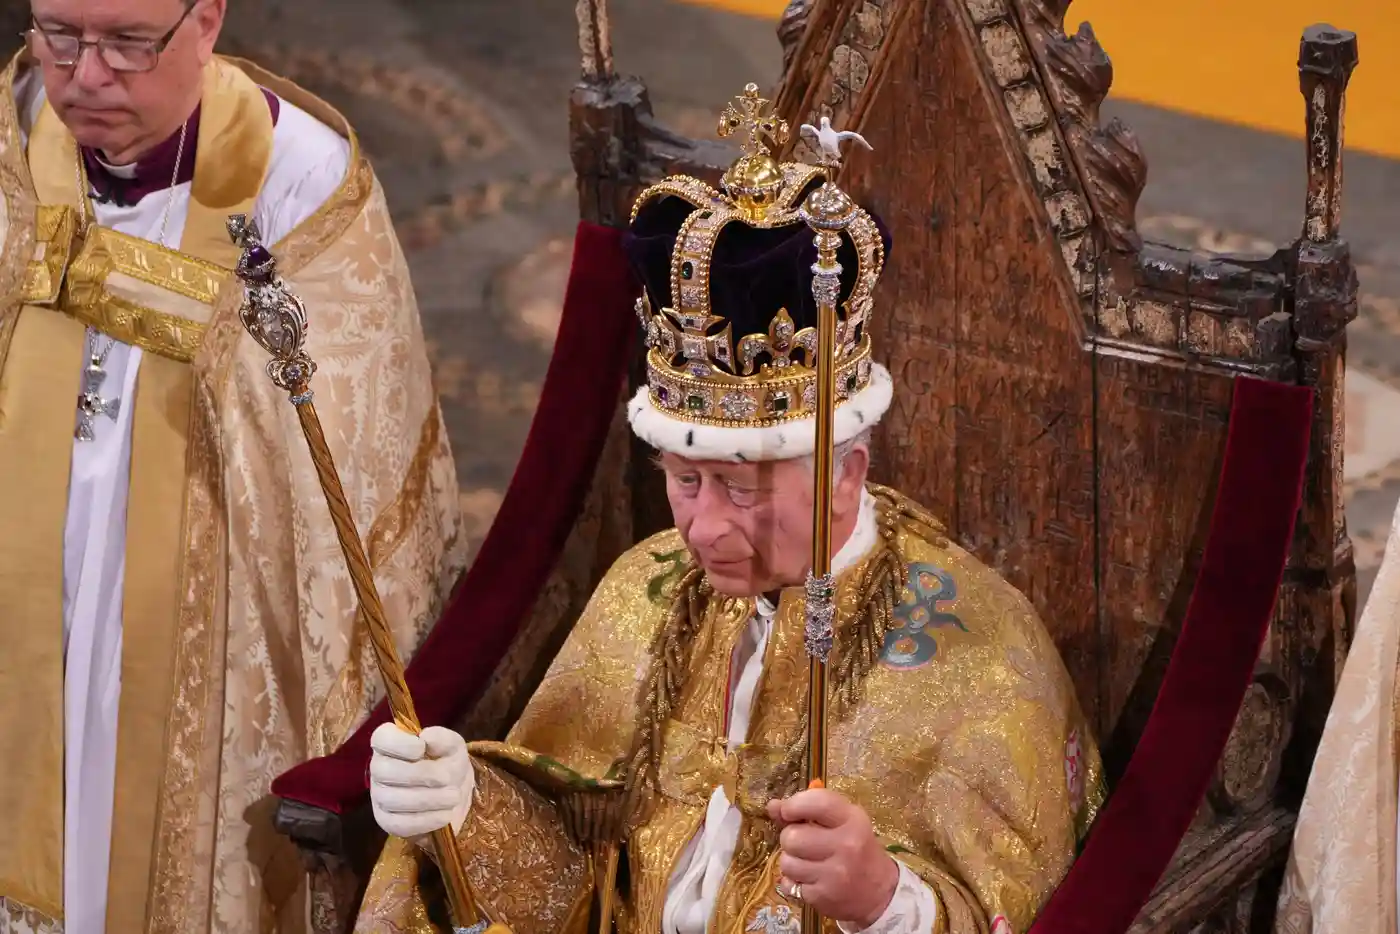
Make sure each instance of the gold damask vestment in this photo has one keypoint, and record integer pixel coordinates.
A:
(954, 725)
(242, 650)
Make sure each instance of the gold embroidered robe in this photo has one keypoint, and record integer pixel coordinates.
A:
(242, 652)
(965, 744)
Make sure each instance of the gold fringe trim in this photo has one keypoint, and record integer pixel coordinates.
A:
(661, 691)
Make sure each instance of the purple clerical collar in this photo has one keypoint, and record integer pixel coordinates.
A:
(125, 185)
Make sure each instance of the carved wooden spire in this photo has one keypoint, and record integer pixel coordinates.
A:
(594, 39)
(1078, 74)
(1326, 58)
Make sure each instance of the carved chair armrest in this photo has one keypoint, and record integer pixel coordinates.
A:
(1212, 881)
(338, 852)
(330, 841)
(316, 831)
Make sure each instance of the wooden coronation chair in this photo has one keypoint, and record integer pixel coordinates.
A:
(1062, 387)
(1063, 400)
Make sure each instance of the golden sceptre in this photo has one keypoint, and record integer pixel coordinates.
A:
(276, 318)
(828, 211)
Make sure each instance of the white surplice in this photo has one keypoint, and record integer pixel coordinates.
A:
(309, 160)
(695, 884)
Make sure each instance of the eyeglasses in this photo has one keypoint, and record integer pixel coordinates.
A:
(128, 55)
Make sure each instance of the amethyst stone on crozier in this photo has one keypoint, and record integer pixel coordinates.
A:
(256, 264)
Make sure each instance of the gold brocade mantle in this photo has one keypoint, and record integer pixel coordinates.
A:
(965, 744)
(75, 283)
(266, 655)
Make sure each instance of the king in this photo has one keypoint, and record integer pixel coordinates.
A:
(176, 624)
(658, 780)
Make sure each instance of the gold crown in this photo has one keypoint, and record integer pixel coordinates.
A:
(697, 370)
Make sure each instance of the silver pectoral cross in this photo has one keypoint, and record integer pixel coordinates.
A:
(90, 402)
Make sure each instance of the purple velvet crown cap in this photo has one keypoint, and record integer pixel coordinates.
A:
(754, 272)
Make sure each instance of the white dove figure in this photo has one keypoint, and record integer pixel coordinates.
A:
(830, 140)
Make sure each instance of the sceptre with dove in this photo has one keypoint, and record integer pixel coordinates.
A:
(829, 140)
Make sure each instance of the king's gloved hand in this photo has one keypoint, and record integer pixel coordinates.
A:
(418, 784)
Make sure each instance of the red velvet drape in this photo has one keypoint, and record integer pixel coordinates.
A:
(1251, 529)
(598, 333)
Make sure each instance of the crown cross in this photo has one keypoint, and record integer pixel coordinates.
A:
(684, 336)
(749, 114)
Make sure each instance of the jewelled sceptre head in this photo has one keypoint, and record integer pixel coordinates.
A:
(828, 211)
(275, 317)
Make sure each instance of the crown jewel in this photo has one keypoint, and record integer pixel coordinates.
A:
(736, 343)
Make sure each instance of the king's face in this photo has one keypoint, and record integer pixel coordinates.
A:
(750, 525)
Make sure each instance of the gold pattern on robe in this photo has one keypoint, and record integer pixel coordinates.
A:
(137, 291)
(264, 610)
(55, 231)
(973, 761)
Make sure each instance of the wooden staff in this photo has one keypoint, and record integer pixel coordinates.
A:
(276, 318)
(828, 211)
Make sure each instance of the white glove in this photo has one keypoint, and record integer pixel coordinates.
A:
(418, 784)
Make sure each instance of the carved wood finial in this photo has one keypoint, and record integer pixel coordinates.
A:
(594, 39)
(1325, 289)
(1079, 74)
(1326, 58)
(808, 32)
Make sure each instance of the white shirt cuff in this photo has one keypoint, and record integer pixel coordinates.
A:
(913, 908)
